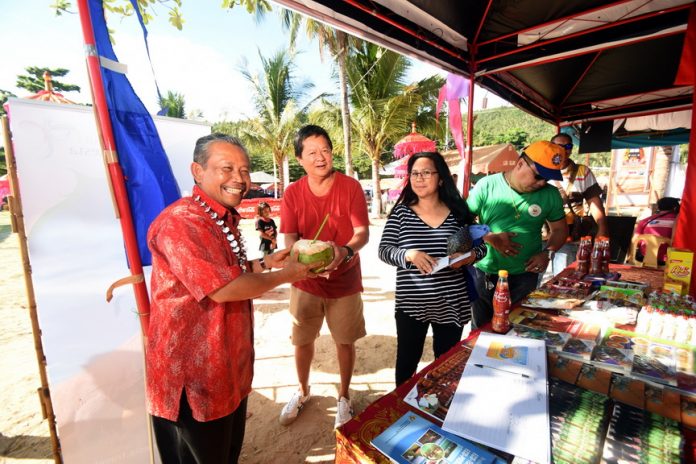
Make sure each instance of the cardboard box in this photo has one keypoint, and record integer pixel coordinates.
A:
(673, 286)
(678, 268)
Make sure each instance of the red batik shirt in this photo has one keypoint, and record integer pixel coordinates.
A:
(193, 342)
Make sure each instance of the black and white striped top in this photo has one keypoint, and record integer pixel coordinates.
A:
(441, 297)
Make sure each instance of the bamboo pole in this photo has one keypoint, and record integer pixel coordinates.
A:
(17, 216)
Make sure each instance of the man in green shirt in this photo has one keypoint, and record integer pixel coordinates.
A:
(515, 205)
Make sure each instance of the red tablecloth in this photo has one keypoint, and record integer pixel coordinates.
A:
(353, 439)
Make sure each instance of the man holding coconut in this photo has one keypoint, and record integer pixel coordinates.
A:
(200, 347)
(324, 214)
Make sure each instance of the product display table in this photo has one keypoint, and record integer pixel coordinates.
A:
(353, 439)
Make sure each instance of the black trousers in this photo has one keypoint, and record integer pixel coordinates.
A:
(188, 441)
(410, 339)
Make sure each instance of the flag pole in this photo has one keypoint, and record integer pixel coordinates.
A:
(115, 173)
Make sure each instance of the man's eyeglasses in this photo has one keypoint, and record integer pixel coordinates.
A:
(528, 162)
(567, 146)
(425, 173)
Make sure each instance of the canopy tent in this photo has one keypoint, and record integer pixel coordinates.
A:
(566, 62)
(487, 160)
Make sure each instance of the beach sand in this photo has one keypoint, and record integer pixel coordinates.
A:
(24, 435)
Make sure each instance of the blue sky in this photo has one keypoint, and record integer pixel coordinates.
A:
(201, 62)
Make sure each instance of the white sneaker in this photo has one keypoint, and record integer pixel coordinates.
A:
(344, 412)
(293, 407)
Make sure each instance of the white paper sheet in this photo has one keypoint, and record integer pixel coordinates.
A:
(502, 397)
(448, 261)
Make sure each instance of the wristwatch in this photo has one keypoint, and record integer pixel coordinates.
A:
(350, 254)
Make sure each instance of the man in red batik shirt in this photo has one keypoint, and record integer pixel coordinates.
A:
(322, 193)
(200, 349)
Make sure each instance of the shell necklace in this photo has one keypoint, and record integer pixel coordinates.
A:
(236, 242)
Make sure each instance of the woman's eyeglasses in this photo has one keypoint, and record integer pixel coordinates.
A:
(567, 146)
(425, 173)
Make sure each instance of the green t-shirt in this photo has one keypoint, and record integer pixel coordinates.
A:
(504, 210)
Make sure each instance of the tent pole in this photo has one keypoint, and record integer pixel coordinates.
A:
(469, 158)
(110, 154)
(17, 216)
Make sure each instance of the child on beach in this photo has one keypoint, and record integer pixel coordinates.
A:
(267, 229)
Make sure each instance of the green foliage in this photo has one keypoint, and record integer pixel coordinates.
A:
(4, 95)
(125, 8)
(174, 104)
(3, 162)
(509, 125)
(33, 81)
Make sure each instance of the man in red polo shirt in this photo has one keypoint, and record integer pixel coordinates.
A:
(322, 193)
(200, 349)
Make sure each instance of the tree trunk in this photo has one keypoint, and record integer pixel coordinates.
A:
(345, 108)
(376, 190)
(279, 158)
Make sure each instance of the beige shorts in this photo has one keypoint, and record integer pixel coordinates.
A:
(344, 316)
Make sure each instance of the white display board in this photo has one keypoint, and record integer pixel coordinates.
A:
(93, 348)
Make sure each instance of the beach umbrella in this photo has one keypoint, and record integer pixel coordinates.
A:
(260, 177)
(47, 94)
(4, 187)
(413, 143)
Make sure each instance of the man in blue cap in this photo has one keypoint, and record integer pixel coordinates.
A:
(515, 205)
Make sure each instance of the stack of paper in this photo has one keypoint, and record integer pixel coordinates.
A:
(502, 397)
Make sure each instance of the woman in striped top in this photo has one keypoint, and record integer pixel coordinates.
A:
(428, 212)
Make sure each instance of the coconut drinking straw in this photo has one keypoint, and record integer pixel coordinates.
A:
(323, 223)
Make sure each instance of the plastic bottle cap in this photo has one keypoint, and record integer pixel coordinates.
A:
(502, 273)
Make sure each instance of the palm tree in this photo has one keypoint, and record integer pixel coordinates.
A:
(173, 105)
(337, 42)
(276, 93)
(383, 106)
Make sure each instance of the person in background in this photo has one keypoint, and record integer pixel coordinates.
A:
(428, 212)
(200, 349)
(660, 224)
(325, 193)
(581, 192)
(267, 229)
(515, 205)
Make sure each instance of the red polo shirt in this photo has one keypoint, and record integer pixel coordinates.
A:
(195, 344)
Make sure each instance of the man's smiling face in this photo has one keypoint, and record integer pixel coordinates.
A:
(317, 157)
(225, 176)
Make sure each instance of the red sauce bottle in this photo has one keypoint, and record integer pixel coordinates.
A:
(501, 304)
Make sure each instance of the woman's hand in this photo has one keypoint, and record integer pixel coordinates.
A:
(423, 261)
(463, 262)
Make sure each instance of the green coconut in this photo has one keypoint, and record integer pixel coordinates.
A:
(313, 251)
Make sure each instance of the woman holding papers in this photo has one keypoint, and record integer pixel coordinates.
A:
(428, 211)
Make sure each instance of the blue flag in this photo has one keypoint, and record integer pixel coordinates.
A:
(149, 178)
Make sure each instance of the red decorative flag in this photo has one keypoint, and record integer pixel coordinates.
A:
(686, 75)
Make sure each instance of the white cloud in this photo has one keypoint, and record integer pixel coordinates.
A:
(207, 79)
